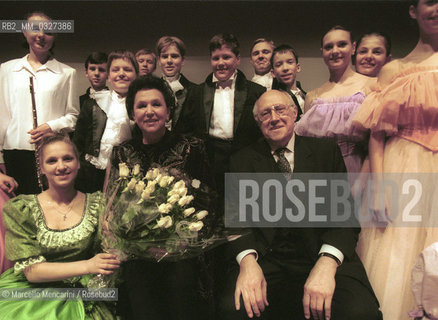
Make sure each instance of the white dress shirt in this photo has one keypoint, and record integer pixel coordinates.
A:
(56, 100)
(174, 83)
(264, 80)
(222, 117)
(325, 248)
(298, 94)
(117, 128)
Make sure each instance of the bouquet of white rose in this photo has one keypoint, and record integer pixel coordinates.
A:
(156, 216)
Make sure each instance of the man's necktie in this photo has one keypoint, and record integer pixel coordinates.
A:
(282, 162)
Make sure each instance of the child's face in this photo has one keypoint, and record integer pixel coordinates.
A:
(97, 75)
(146, 64)
(224, 62)
(121, 74)
(171, 61)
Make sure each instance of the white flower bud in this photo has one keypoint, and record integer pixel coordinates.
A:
(196, 226)
(201, 214)
(164, 181)
(173, 199)
(131, 184)
(165, 222)
(136, 169)
(182, 191)
(155, 173)
(164, 208)
(185, 200)
(123, 170)
(149, 175)
(145, 195)
(179, 184)
(188, 212)
(196, 183)
(139, 187)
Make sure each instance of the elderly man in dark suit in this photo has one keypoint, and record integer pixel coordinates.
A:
(220, 109)
(303, 273)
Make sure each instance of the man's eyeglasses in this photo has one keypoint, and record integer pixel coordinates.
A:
(279, 110)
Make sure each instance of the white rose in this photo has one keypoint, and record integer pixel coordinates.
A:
(150, 189)
(145, 195)
(151, 186)
(173, 199)
(136, 169)
(158, 177)
(131, 184)
(165, 181)
(182, 191)
(185, 200)
(188, 212)
(196, 183)
(196, 226)
(149, 175)
(164, 208)
(179, 184)
(123, 170)
(152, 183)
(165, 222)
(139, 187)
(201, 214)
(155, 173)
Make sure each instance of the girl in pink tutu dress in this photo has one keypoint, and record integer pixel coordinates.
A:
(402, 114)
(329, 109)
(7, 185)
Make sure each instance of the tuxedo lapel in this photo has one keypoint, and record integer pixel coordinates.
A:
(184, 81)
(240, 95)
(208, 99)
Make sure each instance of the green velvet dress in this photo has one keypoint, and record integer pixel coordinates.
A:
(30, 241)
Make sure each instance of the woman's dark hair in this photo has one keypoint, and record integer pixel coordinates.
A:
(385, 37)
(56, 137)
(338, 27)
(148, 82)
(125, 55)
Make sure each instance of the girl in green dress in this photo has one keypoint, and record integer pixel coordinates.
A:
(51, 237)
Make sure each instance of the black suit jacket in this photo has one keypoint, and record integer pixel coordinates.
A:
(310, 155)
(84, 97)
(196, 114)
(277, 85)
(181, 96)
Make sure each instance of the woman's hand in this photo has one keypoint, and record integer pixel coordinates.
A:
(103, 263)
(39, 133)
(7, 183)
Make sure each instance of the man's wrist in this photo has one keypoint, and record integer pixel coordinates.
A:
(244, 253)
(332, 256)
